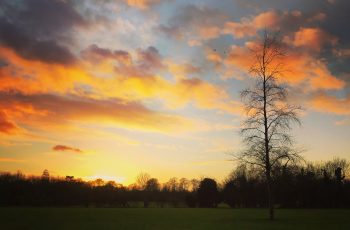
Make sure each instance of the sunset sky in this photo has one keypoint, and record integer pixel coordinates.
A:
(109, 89)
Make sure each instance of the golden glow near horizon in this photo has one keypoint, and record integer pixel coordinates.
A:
(111, 89)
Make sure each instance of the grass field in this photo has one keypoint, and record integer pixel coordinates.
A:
(169, 218)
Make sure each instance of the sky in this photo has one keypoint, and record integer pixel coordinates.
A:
(109, 89)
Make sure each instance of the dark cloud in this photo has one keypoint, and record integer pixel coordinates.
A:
(149, 59)
(193, 15)
(66, 148)
(191, 69)
(258, 5)
(96, 54)
(39, 29)
(172, 31)
(31, 48)
(146, 63)
(337, 22)
(3, 63)
(192, 20)
(336, 12)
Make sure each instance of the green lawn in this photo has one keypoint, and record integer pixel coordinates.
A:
(170, 218)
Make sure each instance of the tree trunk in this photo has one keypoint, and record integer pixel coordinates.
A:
(270, 200)
(266, 139)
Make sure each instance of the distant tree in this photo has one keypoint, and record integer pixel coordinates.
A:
(269, 117)
(141, 180)
(133, 186)
(98, 182)
(242, 187)
(183, 184)
(338, 175)
(228, 193)
(152, 185)
(20, 175)
(172, 184)
(45, 175)
(69, 178)
(151, 192)
(208, 193)
(331, 166)
(340, 167)
(194, 184)
(112, 184)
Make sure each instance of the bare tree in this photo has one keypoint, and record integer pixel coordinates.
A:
(269, 117)
(194, 184)
(184, 184)
(141, 180)
(172, 184)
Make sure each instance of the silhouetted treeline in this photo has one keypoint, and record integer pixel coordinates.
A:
(308, 186)
(20, 190)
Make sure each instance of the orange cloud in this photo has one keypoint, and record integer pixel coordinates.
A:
(249, 26)
(331, 104)
(62, 110)
(302, 68)
(269, 19)
(209, 32)
(206, 96)
(313, 38)
(240, 29)
(182, 70)
(30, 76)
(7, 126)
(100, 79)
(66, 148)
(97, 54)
(240, 57)
(213, 56)
(142, 4)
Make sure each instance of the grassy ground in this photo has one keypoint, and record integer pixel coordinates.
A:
(169, 218)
